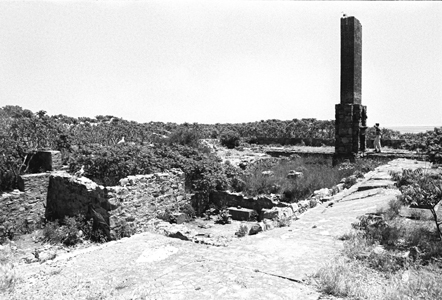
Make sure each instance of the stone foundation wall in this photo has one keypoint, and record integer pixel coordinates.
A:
(23, 210)
(140, 198)
(228, 199)
(133, 203)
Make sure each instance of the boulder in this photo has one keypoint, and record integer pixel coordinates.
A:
(294, 174)
(255, 229)
(241, 214)
(268, 173)
(277, 213)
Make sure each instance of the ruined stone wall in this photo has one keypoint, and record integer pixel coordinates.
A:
(135, 201)
(24, 209)
(295, 141)
(140, 198)
(227, 199)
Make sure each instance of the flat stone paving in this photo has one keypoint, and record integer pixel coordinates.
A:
(270, 265)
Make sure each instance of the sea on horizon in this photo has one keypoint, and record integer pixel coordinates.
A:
(411, 128)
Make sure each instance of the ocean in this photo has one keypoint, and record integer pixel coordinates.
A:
(411, 129)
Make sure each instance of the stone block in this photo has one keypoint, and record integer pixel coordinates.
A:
(269, 214)
(241, 214)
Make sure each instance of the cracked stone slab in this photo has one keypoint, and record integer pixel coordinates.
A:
(374, 184)
(363, 194)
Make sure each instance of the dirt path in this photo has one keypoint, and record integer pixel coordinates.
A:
(270, 265)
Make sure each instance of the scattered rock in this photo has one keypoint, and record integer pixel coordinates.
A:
(268, 173)
(255, 229)
(47, 255)
(178, 235)
(294, 174)
(277, 213)
(378, 250)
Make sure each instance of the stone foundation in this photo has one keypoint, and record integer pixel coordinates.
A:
(230, 199)
(133, 203)
(23, 210)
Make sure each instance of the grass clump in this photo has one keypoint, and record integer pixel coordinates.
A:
(8, 276)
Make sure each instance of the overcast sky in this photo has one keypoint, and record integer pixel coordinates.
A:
(209, 61)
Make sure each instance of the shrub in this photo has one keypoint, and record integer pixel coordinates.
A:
(186, 136)
(230, 139)
(223, 217)
(71, 231)
(107, 165)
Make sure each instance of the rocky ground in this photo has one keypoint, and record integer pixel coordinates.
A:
(273, 264)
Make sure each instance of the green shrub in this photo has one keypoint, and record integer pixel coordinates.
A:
(71, 231)
(107, 165)
(186, 136)
(223, 217)
(230, 139)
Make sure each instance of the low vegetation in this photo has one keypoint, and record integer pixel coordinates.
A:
(272, 176)
(388, 256)
(8, 276)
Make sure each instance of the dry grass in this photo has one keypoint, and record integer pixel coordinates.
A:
(377, 261)
(344, 277)
(8, 276)
(317, 173)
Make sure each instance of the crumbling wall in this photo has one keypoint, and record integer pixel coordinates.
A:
(226, 198)
(139, 198)
(24, 209)
(135, 201)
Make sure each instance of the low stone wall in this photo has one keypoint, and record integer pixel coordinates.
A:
(228, 199)
(394, 144)
(23, 210)
(70, 196)
(295, 141)
(140, 198)
(133, 203)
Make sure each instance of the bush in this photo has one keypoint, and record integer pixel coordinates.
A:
(230, 139)
(223, 217)
(186, 137)
(71, 231)
(107, 165)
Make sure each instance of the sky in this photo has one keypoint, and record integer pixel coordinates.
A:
(218, 61)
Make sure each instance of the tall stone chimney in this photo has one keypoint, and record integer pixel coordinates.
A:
(350, 114)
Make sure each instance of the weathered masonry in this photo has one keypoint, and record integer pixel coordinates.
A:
(350, 114)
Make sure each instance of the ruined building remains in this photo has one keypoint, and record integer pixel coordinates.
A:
(351, 115)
